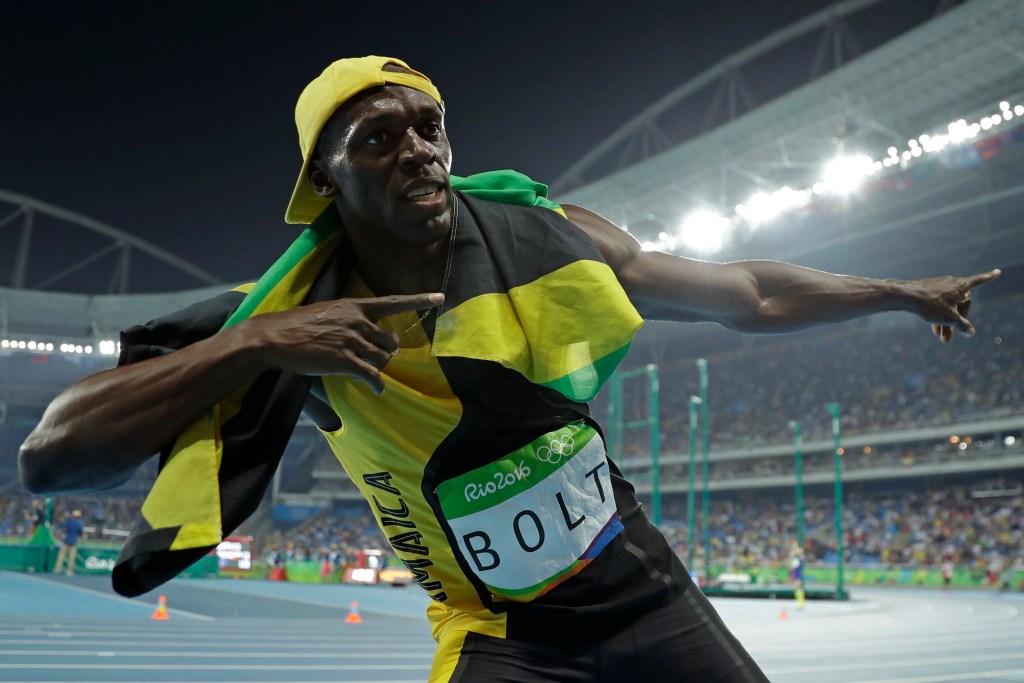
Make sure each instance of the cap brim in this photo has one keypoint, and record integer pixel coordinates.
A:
(305, 204)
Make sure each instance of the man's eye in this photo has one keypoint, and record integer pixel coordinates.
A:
(432, 129)
(374, 138)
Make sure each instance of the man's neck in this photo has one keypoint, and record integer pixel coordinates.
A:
(394, 269)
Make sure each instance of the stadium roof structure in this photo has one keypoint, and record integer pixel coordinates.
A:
(925, 211)
(941, 205)
(89, 245)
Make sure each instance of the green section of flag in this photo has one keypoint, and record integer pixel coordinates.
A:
(505, 187)
(324, 226)
(583, 385)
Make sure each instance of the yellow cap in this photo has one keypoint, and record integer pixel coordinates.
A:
(318, 102)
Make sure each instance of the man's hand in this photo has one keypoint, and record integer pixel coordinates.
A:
(945, 302)
(340, 337)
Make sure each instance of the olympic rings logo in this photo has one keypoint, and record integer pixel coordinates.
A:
(559, 447)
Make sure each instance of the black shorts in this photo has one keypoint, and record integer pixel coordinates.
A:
(683, 641)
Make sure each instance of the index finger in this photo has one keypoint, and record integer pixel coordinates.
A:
(383, 306)
(981, 278)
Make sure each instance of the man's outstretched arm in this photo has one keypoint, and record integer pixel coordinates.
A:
(768, 296)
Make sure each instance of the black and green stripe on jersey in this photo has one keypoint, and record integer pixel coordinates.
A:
(541, 302)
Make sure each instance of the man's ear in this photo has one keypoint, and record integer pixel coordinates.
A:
(320, 179)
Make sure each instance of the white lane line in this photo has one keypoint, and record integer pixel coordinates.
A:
(812, 652)
(821, 645)
(342, 608)
(235, 647)
(853, 665)
(108, 596)
(221, 667)
(148, 635)
(965, 677)
(212, 655)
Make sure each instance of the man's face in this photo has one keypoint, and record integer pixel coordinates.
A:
(387, 158)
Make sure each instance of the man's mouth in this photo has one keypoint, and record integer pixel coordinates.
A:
(425, 192)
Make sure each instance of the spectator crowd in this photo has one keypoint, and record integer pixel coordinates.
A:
(910, 529)
(883, 379)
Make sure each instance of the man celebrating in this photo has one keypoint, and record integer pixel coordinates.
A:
(445, 334)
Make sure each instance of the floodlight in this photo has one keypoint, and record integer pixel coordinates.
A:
(1019, 110)
(704, 231)
(843, 175)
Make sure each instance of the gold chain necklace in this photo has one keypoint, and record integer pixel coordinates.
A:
(447, 267)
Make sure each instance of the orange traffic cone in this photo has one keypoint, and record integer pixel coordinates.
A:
(160, 614)
(783, 614)
(353, 614)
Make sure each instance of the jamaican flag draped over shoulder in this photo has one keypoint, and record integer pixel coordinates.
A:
(538, 299)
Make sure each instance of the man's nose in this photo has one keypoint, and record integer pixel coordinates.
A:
(416, 151)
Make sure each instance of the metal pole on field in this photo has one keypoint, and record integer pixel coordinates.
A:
(798, 446)
(652, 380)
(691, 495)
(837, 457)
(702, 366)
(615, 416)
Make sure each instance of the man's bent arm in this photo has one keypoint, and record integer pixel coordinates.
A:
(98, 431)
(768, 296)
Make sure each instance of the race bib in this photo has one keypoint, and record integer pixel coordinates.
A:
(536, 517)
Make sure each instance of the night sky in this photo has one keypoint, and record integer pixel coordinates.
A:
(173, 121)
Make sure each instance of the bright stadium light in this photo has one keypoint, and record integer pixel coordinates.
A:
(107, 347)
(704, 231)
(764, 207)
(844, 175)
